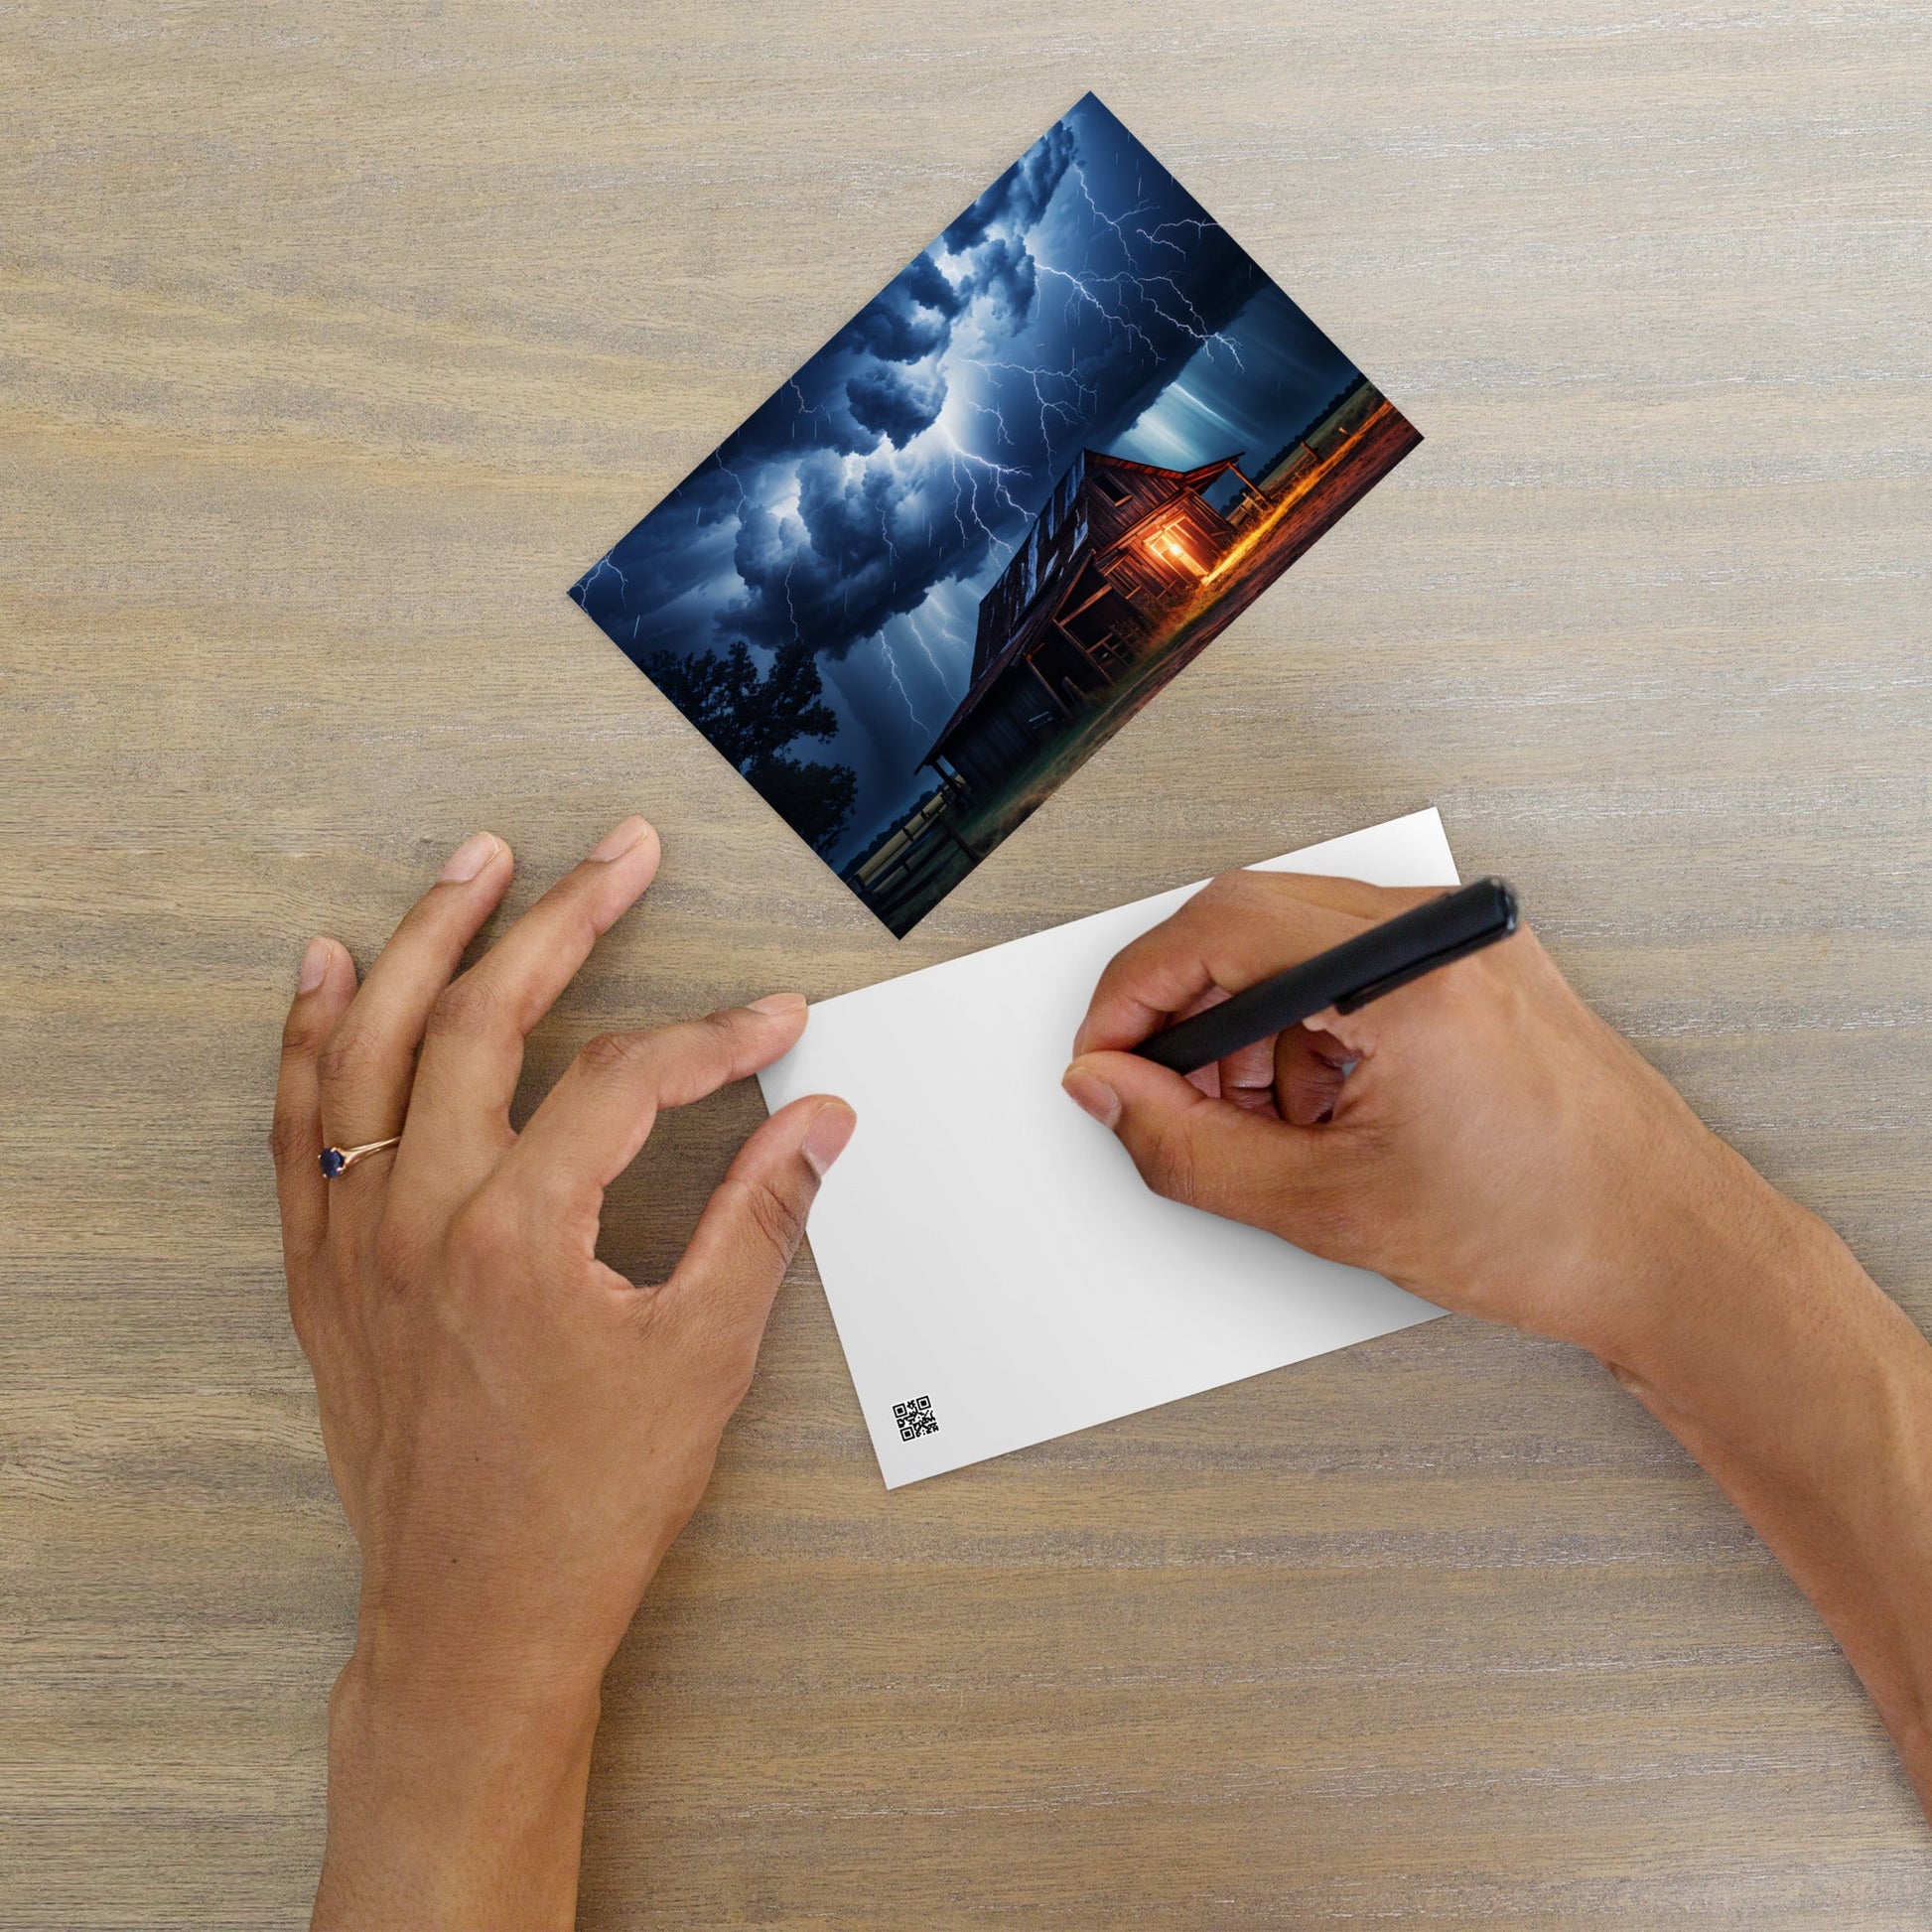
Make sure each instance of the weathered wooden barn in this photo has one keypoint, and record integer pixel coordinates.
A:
(1117, 548)
(1127, 571)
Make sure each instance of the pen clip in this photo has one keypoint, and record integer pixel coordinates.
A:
(1501, 928)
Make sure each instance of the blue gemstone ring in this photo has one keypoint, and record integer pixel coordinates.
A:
(337, 1161)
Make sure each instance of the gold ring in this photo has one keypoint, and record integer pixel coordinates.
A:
(337, 1161)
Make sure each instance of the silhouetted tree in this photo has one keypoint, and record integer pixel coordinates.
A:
(815, 800)
(751, 718)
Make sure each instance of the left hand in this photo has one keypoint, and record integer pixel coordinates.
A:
(516, 1432)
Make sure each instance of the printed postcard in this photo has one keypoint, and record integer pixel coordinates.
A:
(1021, 488)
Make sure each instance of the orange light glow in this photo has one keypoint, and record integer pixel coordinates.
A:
(1293, 498)
(1168, 546)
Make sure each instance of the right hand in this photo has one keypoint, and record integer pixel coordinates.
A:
(1478, 1136)
(1482, 1138)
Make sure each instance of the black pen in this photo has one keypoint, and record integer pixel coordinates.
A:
(1345, 977)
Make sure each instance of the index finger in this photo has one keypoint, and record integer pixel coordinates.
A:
(1236, 930)
(595, 1121)
(472, 1046)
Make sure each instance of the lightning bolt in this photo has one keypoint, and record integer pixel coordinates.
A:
(997, 472)
(1200, 226)
(899, 684)
(792, 610)
(1141, 280)
(1118, 225)
(738, 482)
(919, 638)
(597, 570)
(1065, 409)
(811, 409)
(1194, 325)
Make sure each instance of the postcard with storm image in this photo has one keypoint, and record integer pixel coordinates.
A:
(995, 514)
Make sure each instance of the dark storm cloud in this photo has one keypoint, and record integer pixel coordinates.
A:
(907, 319)
(1005, 271)
(1020, 197)
(896, 404)
(908, 455)
(860, 548)
(1049, 349)
(854, 553)
(1073, 307)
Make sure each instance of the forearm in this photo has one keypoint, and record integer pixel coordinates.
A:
(447, 1812)
(1807, 1394)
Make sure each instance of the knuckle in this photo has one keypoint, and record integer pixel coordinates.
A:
(466, 1007)
(480, 1240)
(395, 1249)
(292, 1139)
(304, 1314)
(573, 899)
(725, 1357)
(341, 1056)
(724, 1025)
(737, 1364)
(1225, 885)
(611, 1055)
(725, 1036)
(299, 1030)
(776, 1215)
(1243, 890)
(733, 1359)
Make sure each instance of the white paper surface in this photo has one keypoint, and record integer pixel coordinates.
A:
(986, 1245)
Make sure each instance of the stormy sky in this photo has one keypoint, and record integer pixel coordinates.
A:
(1085, 299)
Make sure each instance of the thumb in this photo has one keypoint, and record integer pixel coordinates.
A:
(722, 1290)
(1208, 1153)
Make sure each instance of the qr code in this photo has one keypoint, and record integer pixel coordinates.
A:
(916, 1419)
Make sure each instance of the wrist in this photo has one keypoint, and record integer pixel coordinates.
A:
(454, 1798)
(1806, 1392)
(1699, 1254)
(1747, 1325)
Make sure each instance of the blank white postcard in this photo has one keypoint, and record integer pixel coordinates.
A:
(998, 1273)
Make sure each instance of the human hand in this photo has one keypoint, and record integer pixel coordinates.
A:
(1478, 1136)
(1481, 1137)
(516, 1432)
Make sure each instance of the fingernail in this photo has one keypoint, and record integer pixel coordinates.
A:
(826, 1137)
(468, 858)
(776, 1002)
(314, 966)
(1092, 1095)
(620, 839)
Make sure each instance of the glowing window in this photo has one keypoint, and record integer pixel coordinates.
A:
(1165, 544)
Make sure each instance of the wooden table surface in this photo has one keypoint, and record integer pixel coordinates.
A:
(335, 339)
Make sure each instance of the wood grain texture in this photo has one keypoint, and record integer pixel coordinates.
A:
(335, 339)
